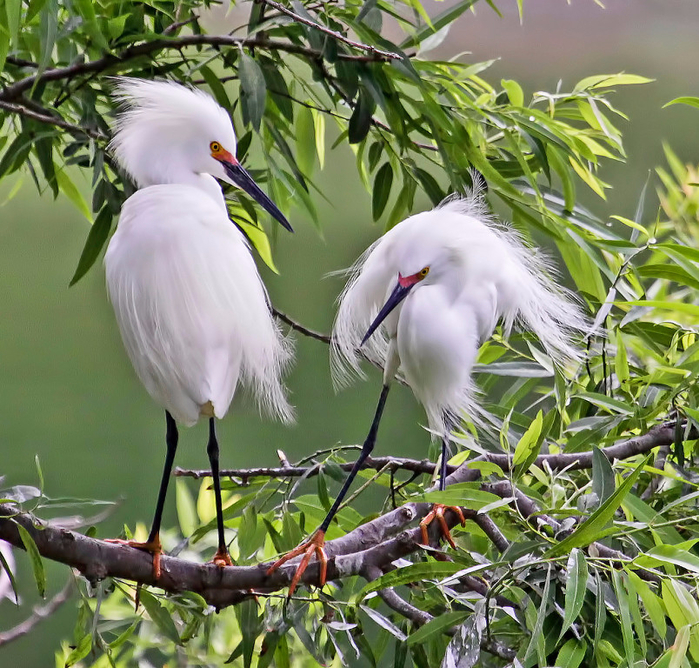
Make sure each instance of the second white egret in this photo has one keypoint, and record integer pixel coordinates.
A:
(422, 299)
(191, 307)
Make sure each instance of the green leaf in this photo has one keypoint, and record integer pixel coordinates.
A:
(382, 190)
(305, 140)
(160, 616)
(360, 121)
(571, 654)
(626, 629)
(670, 272)
(214, 83)
(49, 32)
(96, 239)
(13, 10)
(438, 22)
(437, 625)
(651, 602)
(668, 554)
(537, 631)
(68, 188)
(81, 650)
(86, 9)
(592, 528)
(679, 649)
(609, 403)
(528, 447)
(186, 508)
(319, 124)
(259, 239)
(576, 587)
(514, 92)
(253, 90)
(250, 627)
(412, 573)
(464, 494)
(685, 99)
(603, 482)
(34, 558)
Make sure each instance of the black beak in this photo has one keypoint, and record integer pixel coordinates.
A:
(399, 293)
(243, 180)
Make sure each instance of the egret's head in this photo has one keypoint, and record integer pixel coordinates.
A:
(168, 131)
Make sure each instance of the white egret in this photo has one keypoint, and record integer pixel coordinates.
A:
(422, 299)
(190, 305)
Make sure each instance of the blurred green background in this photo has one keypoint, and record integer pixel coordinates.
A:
(67, 391)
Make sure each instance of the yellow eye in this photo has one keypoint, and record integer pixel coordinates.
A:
(215, 147)
(423, 272)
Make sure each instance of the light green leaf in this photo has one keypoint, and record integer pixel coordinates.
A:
(668, 554)
(625, 614)
(528, 447)
(463, 494)
(82, 649)
(259, 239)
(69, 189)
(305, 141)
(186, 509)
(651, 602)
(413, 573)
(514, 92)
(685, 99)
(319, 126)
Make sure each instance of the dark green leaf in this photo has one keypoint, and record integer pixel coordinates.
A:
(576, 587)
(382, 190)
(253, 90)
(437, 625)
(96, 239)
(360, 121)
(603, 482)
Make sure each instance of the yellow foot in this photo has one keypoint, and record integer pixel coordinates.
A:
(222, 558)
(314, 545)
(437, 513)
(153, 546)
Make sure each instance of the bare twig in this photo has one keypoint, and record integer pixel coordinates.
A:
(367, 48)
(300, 328)
(47, 118)
(39, 613)
(660, 435)
(491, 530)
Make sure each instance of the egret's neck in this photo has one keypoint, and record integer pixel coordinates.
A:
(204, 182)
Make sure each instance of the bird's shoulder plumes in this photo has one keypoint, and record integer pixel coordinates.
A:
(163, 125)
(490, 266)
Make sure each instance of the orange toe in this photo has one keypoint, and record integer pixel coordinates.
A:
(437, 513)
(314, 545)
(153, 546)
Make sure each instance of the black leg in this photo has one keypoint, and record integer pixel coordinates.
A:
(366, 451)
(171, 437)
(212, 451)
(443, 470)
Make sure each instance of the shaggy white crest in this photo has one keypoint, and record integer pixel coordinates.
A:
(480, 273)
(165, 130)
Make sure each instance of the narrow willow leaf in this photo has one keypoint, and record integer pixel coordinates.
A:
(10, 575)
(571, 654)
(625, 614)
(679, 649)
(438, 22)
(534, 643)
(685, 99)
(259, 239)
(305, 141)
(360, 121)
(160, 616)
(461, 494)
(13, 10)
(384, 622)
(382, 190)
(671, 555)
(437, 625)
(528, 447)
(600, 613)
(82, 649)
(603, 479)
(35, 559)
(253, 90)
(68, 188)
(593, 527)
(96, 239)
(412, 573)
(319, 124)
(576, 587)
(250, 627)
(652, 604)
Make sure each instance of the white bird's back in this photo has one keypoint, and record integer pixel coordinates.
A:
(480, 273)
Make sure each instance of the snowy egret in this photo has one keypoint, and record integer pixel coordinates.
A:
(190, 305)
(423, 298)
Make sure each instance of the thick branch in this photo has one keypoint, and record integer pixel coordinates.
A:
(109, 61)
(387, 55)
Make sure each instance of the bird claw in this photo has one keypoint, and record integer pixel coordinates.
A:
(153, 546)
(314, 545)
(222, 558)
(437, 513)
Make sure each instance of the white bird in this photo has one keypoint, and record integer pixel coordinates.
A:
(422, 299)
(191, 307)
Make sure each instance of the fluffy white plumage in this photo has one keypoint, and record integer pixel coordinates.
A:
(191, 307)
(480, 273)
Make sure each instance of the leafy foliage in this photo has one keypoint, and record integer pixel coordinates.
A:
(295, 79)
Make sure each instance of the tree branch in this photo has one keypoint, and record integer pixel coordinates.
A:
(15, 108)
(659, 435)
(109, 61)
(40, 613)
(380, 54)
(300, 328)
